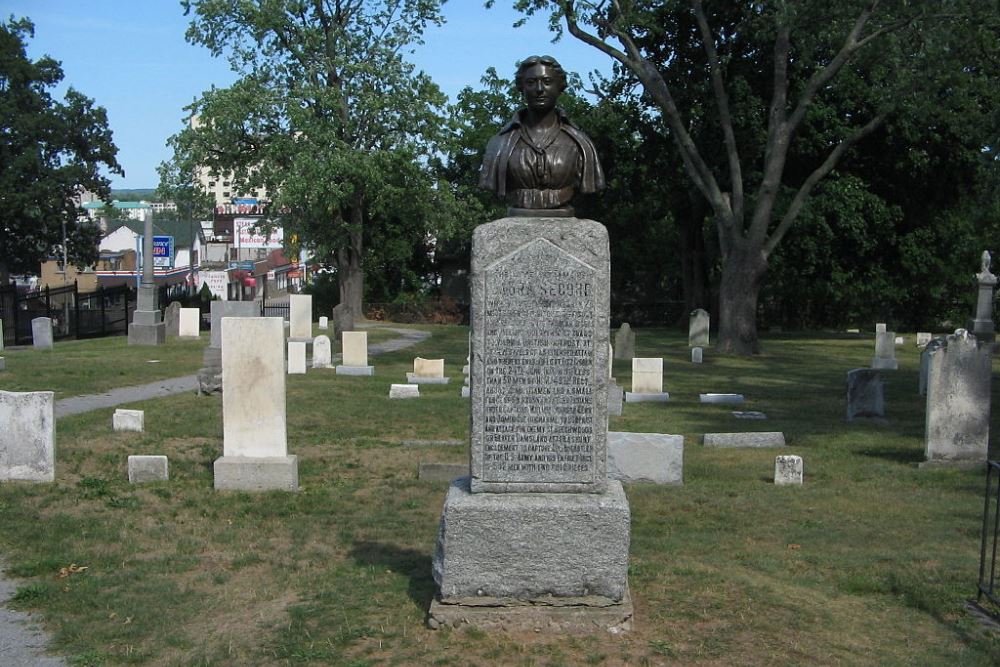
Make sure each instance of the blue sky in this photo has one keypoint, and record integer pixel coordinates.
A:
(131, 58)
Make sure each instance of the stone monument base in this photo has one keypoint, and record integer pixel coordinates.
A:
(147, 334)
(885, 364)
(637, 397)
(568, 616)
(355, 370)
(257, 473)
(533, 548)
(413, 378)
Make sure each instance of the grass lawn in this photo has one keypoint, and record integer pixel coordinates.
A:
(870, 562)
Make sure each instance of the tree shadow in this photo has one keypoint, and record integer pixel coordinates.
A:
(895, 454)
(414, 565)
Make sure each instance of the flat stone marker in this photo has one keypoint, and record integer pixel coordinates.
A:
(958, 402)
(147, 468)
(300, 317)
(324, 322)
(923, 338)
(28, 436)
(404, 391)
(865, 394)
(442, 472)
(698, 325)
(255, 455)
(647, 381)
(749, 414)
(220, 309)
(646, 457)
(885, 351)
(41, 333)
(322, 352)
(787, 470)
(296, 358)
(354, 360)
(188, 320)
(725, 399)
(746, 439)
(171, 319)
(696, 355)
(128, 420)
(624, 347)
(427, 371)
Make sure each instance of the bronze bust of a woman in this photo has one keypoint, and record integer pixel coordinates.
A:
(540, 159)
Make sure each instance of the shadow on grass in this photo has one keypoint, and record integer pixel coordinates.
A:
(895, 454)
(414, 565)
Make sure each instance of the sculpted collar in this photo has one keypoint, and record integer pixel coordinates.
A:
(516, 122)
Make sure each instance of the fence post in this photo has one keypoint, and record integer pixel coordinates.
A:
(48, 303)
(104, 322)
(76, 308)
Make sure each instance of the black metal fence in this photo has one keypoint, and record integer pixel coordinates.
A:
(991, 532)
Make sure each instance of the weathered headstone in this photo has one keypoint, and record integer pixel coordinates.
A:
(172, 319)
(27, 436)
(865, 394)
(188, 322)
(958, 401)
(923, 338)
(749, 414)
(322, 352)
(646, 457)
(750, 439)
(880, 327)
(255, 451)
(723, 399)
(220, 309)
(324, 322)
(647, 381)
(300, 318)
(354, 356)
(128, 420)
(343, 320)
(899, 340)
(427, 371)
(885, 351)
(148, 468)
(696, 355)
(698, 325)
(787, 470)
(404, 391)
(624, 346)
(538, 521)
(616, 398)
(296, 357)
(925, 362)
(41, 333)
(982, 324)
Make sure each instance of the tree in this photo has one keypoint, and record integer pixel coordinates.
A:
(49, 152)
(327, 117)
(787, 65)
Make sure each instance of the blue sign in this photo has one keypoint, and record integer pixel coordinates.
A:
(245, 265)
(163, 252)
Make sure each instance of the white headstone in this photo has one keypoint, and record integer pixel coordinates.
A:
(128, 420)
(1, 335)
(880, 327)
(646, 457)
(696, 355)
(923, 338)
(27, 436)
(322, 354)
(296, 357)
(899, 340)
(647, 375)
(885, 351)
(300, 316)
(787, 470)
(189, 320)
(404, 391)
(428, 368)
(41, 333)
(253, 371)
(355, 348)
(324, 323)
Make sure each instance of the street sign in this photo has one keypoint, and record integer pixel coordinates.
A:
(163, 252)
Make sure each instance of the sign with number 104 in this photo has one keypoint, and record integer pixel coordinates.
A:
(163, 252)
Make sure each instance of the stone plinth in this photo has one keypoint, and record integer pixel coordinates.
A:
(256, 473)
(698, 324)
(958, 401)
(532, 546)
(41, 333)
(128, 420)
(865, 394)
(646, 457)
(143, 469)
(788, 470)
(300, 318)
(27, 436)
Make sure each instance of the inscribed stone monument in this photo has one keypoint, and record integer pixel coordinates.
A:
(324, 322)
(865, 394)
(647, 381)
(300, 318)
(354, 357)
(787, 470)
(982, 324)
(925, 362)
(41, 333)
(698, 325)
(148, 468)
(646, 457)
(171, 319)
(404, 391)
(147, 327)
(322, 352)
(427, 371)
(27, 436)
(128, 420)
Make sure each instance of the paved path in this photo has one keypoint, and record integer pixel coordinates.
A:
(22, 644)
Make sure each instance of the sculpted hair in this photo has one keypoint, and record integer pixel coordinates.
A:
(548, 61)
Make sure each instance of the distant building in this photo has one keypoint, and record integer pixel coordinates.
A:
(219, 185)
(135, 210)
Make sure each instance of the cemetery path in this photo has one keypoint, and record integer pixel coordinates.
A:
(75, 405)
(22, 644)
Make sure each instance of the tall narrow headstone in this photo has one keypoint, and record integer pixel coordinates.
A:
(324, 322)
(624, 346)
(300, 317)
(255, 454)
(354, 354)
(925, 363)
(885, 351)
(188, 322)
(171, 319)
(41, 333)
(322, 354)
(698, 325)
(27, 436)
(296, 357)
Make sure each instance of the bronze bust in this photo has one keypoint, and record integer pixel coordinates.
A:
(540, 159)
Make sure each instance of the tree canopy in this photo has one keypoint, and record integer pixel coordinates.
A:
(50, 150)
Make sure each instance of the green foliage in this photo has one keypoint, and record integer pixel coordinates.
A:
(48, 150)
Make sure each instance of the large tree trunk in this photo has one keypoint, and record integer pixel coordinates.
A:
(4, 274)
(692, 251)
(350, 274)
(742, 274)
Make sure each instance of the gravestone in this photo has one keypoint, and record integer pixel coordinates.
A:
(885, 351)
(616, 398)
(749, 414)
(172, 319)
(925, 361)
(188, 322)
(880, 327)
(865, 394)
(646, 457)
(466, 388)
(41, 333)
(923, 338)
(220, 309)
(296, 357)
(300, 318)
(750, 439)
(722, 399)
(324, 323)
(698, 324)
(343, 320)
(254, 447)
(624, 346)
(647, 381)
(427, 371)
(404, 391)
(27, 436)
(354, 354)
(538, 523)
(958, 401)
(322, 352)
(982, 324)
(696, 355)
(148, 468)
(128, 420)
(787, 470)
(1, 335)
